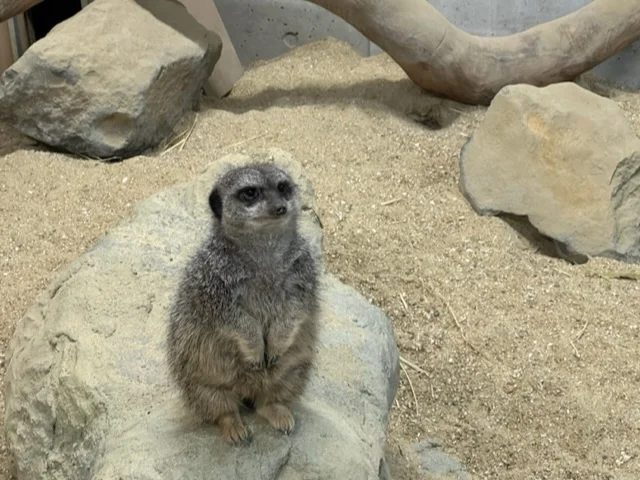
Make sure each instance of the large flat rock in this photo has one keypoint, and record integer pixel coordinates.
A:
(564, 158)
(87, 389)
(113, 80)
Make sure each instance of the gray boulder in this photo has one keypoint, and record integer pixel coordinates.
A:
(564, 158)
(113, 80)
(87, 390)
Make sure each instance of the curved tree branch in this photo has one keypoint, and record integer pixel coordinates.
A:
(11, 8)
(441, 58)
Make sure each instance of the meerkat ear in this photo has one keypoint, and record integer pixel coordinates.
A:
(215, 203)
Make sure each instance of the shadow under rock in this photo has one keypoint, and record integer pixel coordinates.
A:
(12, 140)
(402, 97)
(541, 243)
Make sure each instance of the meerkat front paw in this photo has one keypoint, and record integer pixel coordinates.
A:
(267, 361)
(279, 340)
(250, 344)
(279, 416)
(274, 352)
(234, 430)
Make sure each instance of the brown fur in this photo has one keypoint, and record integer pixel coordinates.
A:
(243, 326)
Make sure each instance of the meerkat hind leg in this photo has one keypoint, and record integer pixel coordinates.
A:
(233, 428)
(273, 404)
(221, 408)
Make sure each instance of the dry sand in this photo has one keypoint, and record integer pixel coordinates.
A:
(546, 384)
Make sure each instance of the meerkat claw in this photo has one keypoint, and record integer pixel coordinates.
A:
(235, 431)
(279, 416)
(259, 365)
(272, 361)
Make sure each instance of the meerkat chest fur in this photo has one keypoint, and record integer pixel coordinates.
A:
(268, 272)
(279, 280)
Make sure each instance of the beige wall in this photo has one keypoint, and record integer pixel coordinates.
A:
(6, 55)
(228, 69)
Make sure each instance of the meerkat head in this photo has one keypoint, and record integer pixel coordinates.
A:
(256, 197)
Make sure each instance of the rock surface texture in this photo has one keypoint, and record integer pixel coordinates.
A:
(436, 464)
(566, 159)
(113, 80)
(87, 390)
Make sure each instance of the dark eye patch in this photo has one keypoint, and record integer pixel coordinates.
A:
(284, 187)
(248, 194)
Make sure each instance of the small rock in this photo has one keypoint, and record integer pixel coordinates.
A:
(113, 80)
(87, 389)
(564, 158)
(438, 464)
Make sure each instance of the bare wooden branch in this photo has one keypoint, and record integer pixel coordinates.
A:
(441, 58)
(11, 8)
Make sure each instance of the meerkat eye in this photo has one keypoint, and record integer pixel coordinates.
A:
(248, 194)
(284, 187)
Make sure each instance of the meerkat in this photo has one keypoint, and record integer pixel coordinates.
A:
(243, 326)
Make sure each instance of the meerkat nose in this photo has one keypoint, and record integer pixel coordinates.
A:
(281, 210)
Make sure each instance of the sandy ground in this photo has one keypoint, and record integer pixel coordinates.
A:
(546, 384)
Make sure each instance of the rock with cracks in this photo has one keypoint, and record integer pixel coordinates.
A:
(87, 389)
(113, 80)
(564, 158)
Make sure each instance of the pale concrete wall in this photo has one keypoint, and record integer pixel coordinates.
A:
(264, 29)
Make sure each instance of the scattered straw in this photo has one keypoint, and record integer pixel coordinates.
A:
(93, 158)
(181, 140)
(575, 350)
(632, 275)
(413, 365)
(167, 150)
(457, 322)
(415, 398)
(576, 353)
(193, 126)
(586, 324)
(404, 304)
(562, 272)
(400, 451)
(390, 202)
(246, 140)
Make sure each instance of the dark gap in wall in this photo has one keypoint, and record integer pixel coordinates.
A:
(47, 14)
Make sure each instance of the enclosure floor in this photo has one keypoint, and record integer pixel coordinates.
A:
(515, 400)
